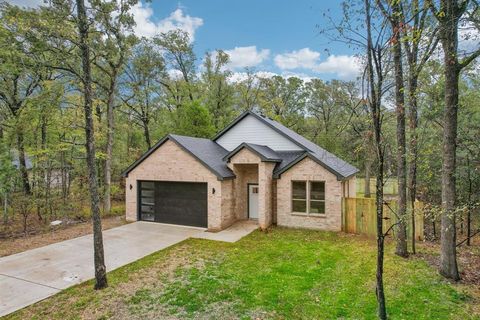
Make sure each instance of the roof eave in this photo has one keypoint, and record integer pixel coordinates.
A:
(162, 141)
(339, 176)
(343, 178)
(245, 145)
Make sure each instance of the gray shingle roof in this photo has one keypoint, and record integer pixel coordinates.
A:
(215, 157)
(265, 153)
(287, 157)
(208, 152)
(335, 164)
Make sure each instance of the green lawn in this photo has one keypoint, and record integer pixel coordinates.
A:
(283, 274)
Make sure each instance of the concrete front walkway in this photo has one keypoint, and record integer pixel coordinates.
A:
(33, 275)
(232, 234)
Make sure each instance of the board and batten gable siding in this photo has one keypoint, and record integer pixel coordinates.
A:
(252, 130)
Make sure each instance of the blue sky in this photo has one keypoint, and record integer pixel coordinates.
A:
(270, 36)
(273, 36)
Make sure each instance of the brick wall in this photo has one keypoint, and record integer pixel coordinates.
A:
(245, 166)
(265, 197)
(171, 163)
(228, 204)
(308, 169)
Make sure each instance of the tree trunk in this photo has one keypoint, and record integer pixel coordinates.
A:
(448, 255)
(146, 133)
(22, 162)
(45, 164)
(413, 124)
(368, 167)
(401, 248)
(375, 89)
(382, 309)
(99, 260)
(109, 149)
(469, 205)
(5, 208)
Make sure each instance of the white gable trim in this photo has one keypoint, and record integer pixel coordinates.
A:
(252, 130)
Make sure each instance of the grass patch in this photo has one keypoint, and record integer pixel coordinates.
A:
(283, 274)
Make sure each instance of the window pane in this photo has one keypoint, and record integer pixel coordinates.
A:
(148, 193)
(317, 207)
(299, 189)
(148, 184)
(299, 206)
(147, 209)
(317, 190)
(148, 201)
(148, 217)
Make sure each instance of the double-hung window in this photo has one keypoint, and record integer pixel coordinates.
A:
(308, 197)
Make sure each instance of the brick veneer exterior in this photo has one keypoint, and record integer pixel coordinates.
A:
(171, 163)
(308, 169)
(249, 168)
(229, 202)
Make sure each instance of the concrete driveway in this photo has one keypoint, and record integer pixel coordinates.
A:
(33, 275)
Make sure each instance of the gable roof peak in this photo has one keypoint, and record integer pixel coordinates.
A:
(335, 164)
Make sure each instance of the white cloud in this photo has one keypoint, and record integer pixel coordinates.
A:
(242, 57)
(302, 76)
(145, 26)
(303, 58)
(468, 38)
(143, 16)
(343, 66)
(240, 76)
(174, 74)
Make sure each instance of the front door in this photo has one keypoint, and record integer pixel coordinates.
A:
(253, 201)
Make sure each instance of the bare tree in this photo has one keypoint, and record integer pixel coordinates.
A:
(394, 15)
(375, 81)
(113, 48)
(99, 259)
(419, 40)
(143, 84)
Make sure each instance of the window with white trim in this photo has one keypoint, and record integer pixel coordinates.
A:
(308, 197)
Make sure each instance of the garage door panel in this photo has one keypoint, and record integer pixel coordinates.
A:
(183, 203)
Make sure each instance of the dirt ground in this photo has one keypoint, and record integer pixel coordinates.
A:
(56, 234)
(468, 259)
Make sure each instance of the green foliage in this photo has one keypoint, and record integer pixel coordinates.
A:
(217, 91)
(7, 170)
(284, 100)
(162, 88)
(193, 119)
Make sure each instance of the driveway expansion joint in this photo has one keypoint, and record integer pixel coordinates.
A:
(38, 284)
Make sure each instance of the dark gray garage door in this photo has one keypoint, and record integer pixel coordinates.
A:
(183, 203)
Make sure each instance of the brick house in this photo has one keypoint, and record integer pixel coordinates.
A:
(255, 168)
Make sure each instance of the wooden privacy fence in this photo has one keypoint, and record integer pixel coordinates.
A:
(360, 216)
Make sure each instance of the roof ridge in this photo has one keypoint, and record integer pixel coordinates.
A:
(183, 136)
